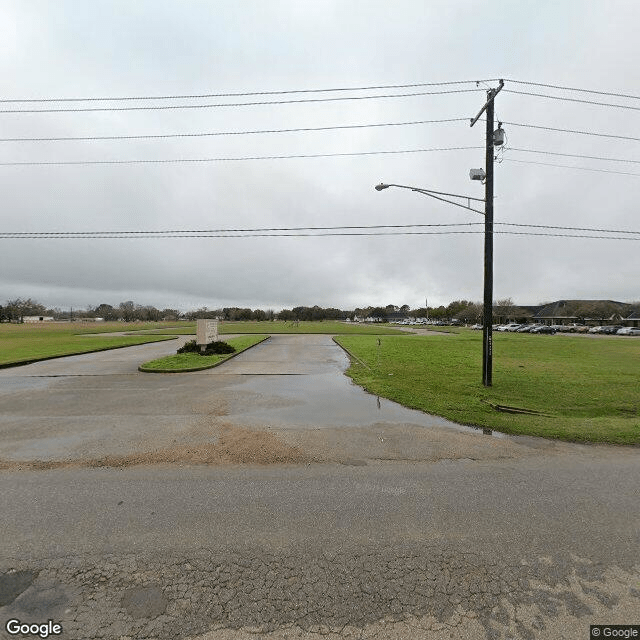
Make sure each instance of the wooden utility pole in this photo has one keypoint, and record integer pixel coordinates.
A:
(487, 327)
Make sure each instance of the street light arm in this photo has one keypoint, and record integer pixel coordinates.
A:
(457, 204)
(442, 193)
(435, 194)
(384, 185)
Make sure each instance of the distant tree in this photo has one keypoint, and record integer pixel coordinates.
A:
(504, 310)
(127, 311)
(455, 307)
(147, 313)
(106, 311)
(170, 314)
(379, 312)
(471, 313)
(438, 313)
(17, 309)
(286, 315)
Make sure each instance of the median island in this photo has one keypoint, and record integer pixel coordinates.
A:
(192, 360)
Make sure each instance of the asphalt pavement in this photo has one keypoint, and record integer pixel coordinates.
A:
(272, 498)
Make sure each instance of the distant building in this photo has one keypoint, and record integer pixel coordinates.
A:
(633, 319)
(583, 312)
(33, 319)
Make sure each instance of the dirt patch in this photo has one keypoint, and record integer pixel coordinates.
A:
(235, 445)
(411, 443)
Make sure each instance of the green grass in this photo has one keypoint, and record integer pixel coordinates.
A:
(23, 343)
(588, 389)
(327, 327)
(183, 362)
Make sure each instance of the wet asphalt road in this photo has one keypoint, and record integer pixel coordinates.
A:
(404, 527)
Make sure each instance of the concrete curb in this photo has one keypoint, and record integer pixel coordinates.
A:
(7, 365)
(351, 355)
(207, 366)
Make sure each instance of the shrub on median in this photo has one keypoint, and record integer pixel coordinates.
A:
(212, 348)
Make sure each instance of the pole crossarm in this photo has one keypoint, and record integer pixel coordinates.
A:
(492, 93)
(436, 194)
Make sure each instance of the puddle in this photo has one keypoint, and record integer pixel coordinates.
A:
(325, 397)
(262, 408)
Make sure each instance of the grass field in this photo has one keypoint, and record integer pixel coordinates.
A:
(21, 343)
(587, 389)
(277, 326)
(183, 362)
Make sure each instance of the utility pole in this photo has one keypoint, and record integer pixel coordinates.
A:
(494, 138)
(487, 327)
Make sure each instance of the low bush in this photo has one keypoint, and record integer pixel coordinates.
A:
(211, 349)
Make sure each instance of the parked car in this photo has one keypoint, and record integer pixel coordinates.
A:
(511, 326)
(544, 329)
(569, 328)
(514, 327)
(476, 327)
(611, 329)
(629, 331)
(596, 330)
(526, 328)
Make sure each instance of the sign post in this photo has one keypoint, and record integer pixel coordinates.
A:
(206, 333)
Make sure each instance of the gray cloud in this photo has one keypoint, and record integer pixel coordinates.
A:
(72, 48)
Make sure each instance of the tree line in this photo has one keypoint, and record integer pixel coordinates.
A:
(464, 311)
(129, 311)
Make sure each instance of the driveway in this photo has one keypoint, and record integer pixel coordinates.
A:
(272, 498)
(81, 409)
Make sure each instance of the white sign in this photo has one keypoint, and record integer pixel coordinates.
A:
(207, 331)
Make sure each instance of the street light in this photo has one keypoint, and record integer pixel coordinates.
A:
(493, 139)
(486, 350)
(435, 194)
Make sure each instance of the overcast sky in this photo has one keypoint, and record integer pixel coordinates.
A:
(114, 48)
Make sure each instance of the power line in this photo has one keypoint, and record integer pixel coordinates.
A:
(594, 91)
(323, 234)
(200, 96)
(237, 104)
(237, 159)
(566, 99)
(306, 155)
(577, 131)
(555, 235)
(308, 129)
(246, 93)
(547, 226)
(196, 232)
(566, 166)
(255, 230)
(573, 155)
(235, 133)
